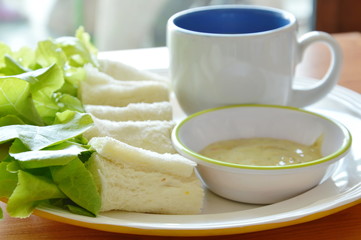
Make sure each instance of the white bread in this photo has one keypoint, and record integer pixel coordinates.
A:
(134, 164)
(134, 179)
(151, 135)
(142, 159)
(132, 112)
(101, 89)
(121, 71)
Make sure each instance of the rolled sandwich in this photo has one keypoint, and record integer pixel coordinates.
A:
(121, 71)
(132, 112)
(101, 89)
(151, 135)
(135, 179)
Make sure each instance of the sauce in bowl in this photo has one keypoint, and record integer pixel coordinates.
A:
(263, 151)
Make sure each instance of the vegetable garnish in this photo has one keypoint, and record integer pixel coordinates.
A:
(42, 151)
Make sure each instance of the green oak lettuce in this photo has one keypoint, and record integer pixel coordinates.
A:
(42, 151)
(30, 95)
(43, 164)
(31, 189)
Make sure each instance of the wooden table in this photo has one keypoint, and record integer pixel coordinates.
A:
(345, 225)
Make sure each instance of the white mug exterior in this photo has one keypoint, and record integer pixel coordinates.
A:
(210, 70)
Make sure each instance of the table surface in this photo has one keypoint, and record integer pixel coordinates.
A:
(344, 225)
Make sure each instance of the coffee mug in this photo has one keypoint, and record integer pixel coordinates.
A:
(236, 54)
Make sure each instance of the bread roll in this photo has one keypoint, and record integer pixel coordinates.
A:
(121, 71)
(150, 135)
(134, 179)
(132, 112)
(101, 89)
(134, 164)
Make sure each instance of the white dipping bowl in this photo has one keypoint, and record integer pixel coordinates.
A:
(260, 184)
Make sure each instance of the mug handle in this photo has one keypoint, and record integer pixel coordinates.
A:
(304, 97)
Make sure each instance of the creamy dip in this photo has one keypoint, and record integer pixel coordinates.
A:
(263, 151)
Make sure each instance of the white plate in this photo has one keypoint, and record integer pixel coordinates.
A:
(221, 216)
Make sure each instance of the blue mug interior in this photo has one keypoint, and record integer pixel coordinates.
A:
(232, 20)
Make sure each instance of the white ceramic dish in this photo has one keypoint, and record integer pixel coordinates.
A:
(260, 184)
(221, 217)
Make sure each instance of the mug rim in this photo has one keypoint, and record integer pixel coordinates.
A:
(287, 15)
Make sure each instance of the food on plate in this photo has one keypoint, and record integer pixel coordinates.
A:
(53, 100)
(101, 89)
(132, 112)
(152, 135)
(135, 165)
(135, 179)
(263, 151)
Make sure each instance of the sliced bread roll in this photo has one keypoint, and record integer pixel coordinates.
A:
(132, 112)
(135, 179)
(151, 135)
(101, 89)
(121, 71)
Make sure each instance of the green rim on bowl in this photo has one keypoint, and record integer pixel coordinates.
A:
(342, 150)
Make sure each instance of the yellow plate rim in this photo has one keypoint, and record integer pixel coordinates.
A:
(191, 232)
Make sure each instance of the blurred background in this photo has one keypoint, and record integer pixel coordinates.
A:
(114, 24)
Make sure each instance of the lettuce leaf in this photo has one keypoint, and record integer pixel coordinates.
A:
(42, 150)
(79, 50)
(43, 164)
(60, 154)
(39, 137)
(8, 180)
(10, 120)
(77, 183)
(12, 67)
(25, 57)
(47, 53)
(43, 83)
(15, 99)
(68, 102)
(30, 191)
(32, 91)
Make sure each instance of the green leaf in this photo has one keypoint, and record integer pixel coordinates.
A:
(84, 38)
(68, 102)
(25, 57)
(74, 75)
(8, 180)
(79, 50)
(13, 166)
(60, 154)
(43, 83)
(38, 89)
(15, 99)
(79, 210)
(36, 138)
(10, 120)
(41, 126)
(4, 151)
(12, 67)
(29, 193)
(45, 80)
(48, 53)
(73, 78)
(84, 156)
(67, 204)
(78, 184)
